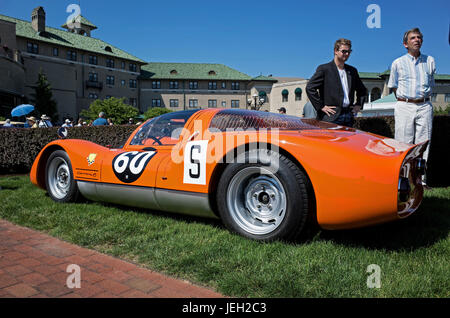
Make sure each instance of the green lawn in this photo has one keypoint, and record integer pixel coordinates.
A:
(413, 254)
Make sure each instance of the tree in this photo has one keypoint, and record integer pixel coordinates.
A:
(155, 111)
(114, 108)
(43, 98)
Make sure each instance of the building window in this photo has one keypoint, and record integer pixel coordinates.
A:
(235, 104)
(133, 102)
(193, 85)
(447, 98)
(55, 51)
(109, 80)
(224, 85)
(110, 63)
(284, 95)
(122, 82)
(193, 103)
(433, 97)
(174, 103)
(156, 84)
(122, 65)
(93, 77)
(212, 85)
(235, 85)
(133, 83)
(173, 85)
(298, 93)
(133, 67)
(93, 96)
(32, 48)
(93, 59)
(224, 104)
(156, 103)
(72, 55)
(212, 103)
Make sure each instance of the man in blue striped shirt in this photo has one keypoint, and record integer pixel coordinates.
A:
(412, 78)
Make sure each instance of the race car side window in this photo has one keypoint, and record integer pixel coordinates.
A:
(142, 133)
(162, 130)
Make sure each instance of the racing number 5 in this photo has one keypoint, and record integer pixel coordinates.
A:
(195, 162)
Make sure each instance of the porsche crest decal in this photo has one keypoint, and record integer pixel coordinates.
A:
(91, 158)
(130, 165)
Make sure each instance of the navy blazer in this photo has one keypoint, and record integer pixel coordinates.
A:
(325, 88)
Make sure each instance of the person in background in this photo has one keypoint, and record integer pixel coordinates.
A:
(332, 88)
(45, 122)
(130, 121)
(8, 124)
(67, 123)
(282, 110)
(101, 120)
(110, 122)
(32, 122)
(309, 111)
(412, 78)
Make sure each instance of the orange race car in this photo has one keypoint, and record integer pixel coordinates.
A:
(263, 174)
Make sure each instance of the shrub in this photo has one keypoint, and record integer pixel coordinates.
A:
(114, 108)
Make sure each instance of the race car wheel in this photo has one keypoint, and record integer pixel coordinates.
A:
(263, 196)
(59, 180)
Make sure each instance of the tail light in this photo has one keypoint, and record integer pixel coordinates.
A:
(410, 189)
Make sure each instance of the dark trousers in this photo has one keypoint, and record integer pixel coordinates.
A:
(346, 117)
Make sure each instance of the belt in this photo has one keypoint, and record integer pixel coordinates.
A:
(413, 100)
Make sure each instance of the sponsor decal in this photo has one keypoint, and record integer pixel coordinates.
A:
(91, 158)
(130, 165)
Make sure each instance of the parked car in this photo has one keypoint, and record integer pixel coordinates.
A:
(263, 174)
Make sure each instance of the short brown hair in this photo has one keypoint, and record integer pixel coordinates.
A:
(414, 30)
(340, 42)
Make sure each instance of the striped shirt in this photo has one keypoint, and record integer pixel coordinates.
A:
(412, 77)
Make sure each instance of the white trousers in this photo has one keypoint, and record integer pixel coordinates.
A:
(414, 123)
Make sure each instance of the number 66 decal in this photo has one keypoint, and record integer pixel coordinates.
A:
(195, 162)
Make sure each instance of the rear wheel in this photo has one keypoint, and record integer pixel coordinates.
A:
(264, 198)
(59, 180)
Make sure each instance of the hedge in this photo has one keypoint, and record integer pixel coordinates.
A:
(19, 147)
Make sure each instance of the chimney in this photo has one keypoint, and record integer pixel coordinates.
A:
(38, 19)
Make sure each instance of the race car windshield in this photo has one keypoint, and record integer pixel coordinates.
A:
(162, 130)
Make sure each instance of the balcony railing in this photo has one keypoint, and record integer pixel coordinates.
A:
(94, 84)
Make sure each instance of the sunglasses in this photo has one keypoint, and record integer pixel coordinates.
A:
(345, 51)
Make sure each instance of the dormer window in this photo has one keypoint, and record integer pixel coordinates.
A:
(211, 73)
(108, 49)
(173, 72)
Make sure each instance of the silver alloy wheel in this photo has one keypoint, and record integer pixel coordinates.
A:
(59, 177)
(256, 200)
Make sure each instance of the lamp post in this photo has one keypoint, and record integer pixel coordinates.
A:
(257, 103)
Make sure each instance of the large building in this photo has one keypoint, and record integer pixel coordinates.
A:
(81, 69)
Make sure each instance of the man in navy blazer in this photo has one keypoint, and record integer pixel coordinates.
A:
(332, 88)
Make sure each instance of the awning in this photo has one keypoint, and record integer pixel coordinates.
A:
(262, 94)
(285, 92)
(298, 90)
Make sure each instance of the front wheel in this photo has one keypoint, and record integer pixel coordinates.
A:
(265, 197)
(59, 180)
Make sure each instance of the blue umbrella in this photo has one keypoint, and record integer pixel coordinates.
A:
(22, 110)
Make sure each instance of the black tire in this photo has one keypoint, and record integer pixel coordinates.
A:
(263, 196)
(59, 179)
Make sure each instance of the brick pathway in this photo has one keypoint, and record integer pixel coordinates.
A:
(33, 264)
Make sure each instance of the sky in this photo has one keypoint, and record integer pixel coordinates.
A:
(258, 37)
